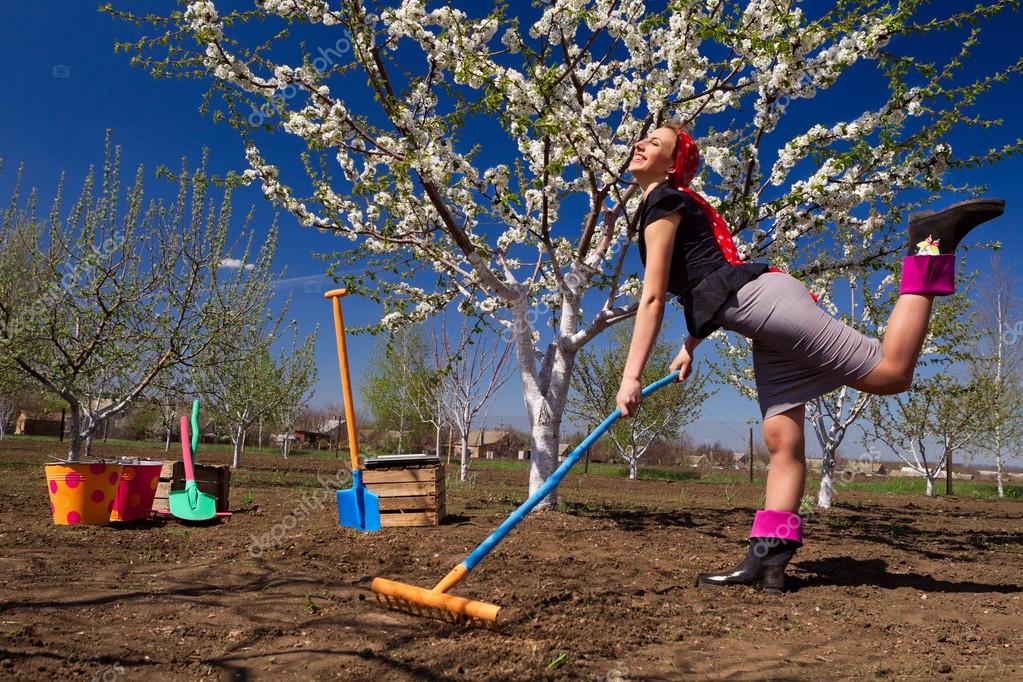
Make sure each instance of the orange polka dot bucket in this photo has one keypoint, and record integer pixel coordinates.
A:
(82, 493)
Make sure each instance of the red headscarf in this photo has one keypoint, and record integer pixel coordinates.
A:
(681, 174)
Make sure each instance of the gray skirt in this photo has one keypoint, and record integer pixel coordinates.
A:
(800, 352)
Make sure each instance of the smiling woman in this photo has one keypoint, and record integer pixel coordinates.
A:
(799, 351)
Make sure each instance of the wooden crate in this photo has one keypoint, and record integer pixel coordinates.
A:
(213, 479)
(163, 488)
(409, 496)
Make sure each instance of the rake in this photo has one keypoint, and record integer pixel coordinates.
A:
(436, 602)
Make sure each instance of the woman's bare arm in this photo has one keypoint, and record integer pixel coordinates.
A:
(660, 243)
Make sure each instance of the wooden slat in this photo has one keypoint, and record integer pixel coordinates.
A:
(393, 519)
(403, 475)
(412, 503)
(212, 479)
(404, 489)
(162, 493)
(167, 471)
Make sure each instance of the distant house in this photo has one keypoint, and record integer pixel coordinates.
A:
(906, 471)
(694, 461)
(491, 443)
(311, 438)
(740, 460)
(865, 467)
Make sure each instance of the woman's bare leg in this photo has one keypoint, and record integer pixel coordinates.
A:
(786, 476)
(901, 345)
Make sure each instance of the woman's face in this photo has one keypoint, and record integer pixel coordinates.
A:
(653, 155)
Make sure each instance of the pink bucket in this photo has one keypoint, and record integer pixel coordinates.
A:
(136, 491)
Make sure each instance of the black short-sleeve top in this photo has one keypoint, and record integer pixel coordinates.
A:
(700, 276)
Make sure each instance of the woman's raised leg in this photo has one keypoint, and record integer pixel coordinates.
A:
(928, 271)
(903, 339)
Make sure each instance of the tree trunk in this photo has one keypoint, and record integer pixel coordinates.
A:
(827, 491)
(543, 462)
(74, 453)
(544, 392)
(930, 483)
(166, 445)
(259, 440)
(287, 443)
(998, 461)
(238, 440)
(463, 468)
(633, 468)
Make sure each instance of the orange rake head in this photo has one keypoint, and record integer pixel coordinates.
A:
(434, 603)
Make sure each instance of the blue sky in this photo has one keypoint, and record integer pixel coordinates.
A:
(65, 87)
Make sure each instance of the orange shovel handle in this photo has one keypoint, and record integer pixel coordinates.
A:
(346, 383)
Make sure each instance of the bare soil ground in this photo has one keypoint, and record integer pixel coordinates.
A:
(887, 586)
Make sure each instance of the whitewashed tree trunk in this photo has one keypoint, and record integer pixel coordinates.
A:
(6, 410)
(166, 444)
(999, 474)
(999, 387)
(463, 467)
(238, 439)
(827, 488)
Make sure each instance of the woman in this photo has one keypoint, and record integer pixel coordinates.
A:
(799, 351)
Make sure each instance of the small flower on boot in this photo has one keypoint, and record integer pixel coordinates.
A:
(928, 247)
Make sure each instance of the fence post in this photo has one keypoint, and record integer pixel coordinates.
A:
(751, 454)
(948, 471)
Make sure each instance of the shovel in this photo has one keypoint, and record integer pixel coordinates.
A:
(357, 507)
(190, 504)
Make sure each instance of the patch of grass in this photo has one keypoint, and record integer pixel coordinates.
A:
(918, 486)
(807, 504)
(559, 660)
(730, 494)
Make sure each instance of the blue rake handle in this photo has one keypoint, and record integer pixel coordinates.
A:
(552, 481)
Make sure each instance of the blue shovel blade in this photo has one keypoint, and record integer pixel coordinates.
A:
(358, 508)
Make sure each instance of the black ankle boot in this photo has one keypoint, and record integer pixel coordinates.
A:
(763, 567)
(947, 227)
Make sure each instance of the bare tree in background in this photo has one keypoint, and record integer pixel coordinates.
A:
(296, 374)
(1000, 360)
(832, 414)
(169, 396)
(400, 387)
(476, 366)
(662, 415)
(941, 410)
(103, 301)
(12, 382)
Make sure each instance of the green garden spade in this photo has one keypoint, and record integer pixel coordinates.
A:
(190, 504)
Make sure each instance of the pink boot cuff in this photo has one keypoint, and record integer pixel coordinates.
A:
(929, 274)
(771, 523)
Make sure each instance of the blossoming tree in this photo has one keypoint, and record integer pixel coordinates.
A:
(409, 171)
